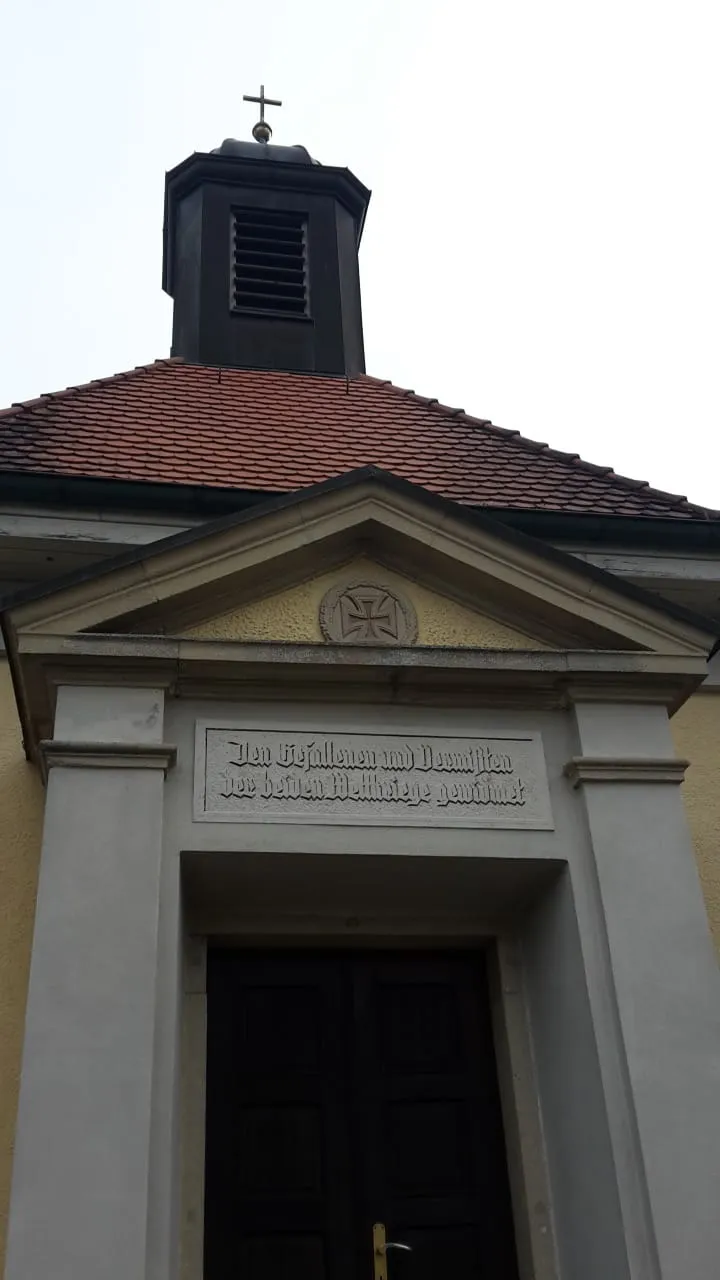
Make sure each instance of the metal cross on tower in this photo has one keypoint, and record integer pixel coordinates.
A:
(262, 131)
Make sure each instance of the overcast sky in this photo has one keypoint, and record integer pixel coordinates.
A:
(543, 242)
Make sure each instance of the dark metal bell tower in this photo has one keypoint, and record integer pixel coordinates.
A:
(261, 258)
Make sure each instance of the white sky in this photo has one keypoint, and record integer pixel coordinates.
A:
(542, 246)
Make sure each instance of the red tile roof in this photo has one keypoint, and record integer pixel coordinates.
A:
(176, 423)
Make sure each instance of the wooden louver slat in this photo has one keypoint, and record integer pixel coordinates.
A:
(268, 263)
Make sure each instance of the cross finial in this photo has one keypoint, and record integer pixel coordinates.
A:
(262, 131)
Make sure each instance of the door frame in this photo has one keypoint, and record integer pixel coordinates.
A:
(519, 1097)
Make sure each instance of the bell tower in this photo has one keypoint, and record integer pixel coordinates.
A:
(261, 258)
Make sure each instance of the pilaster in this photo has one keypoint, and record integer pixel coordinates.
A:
(665, 983)
(79, 1203)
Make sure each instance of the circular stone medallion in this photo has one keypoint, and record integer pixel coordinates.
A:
(367, 613)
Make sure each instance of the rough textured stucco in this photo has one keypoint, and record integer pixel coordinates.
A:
(21, 808)
(292, 615)
(696, 731)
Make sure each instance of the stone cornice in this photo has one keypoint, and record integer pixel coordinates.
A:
(234, 670)
(584, 769)
(578, 667)
(107, 755)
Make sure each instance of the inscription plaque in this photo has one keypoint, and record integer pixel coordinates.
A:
(255, 775)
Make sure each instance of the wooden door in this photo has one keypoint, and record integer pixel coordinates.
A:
(345, 1089)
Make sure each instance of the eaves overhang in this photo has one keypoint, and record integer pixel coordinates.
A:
(213, 502)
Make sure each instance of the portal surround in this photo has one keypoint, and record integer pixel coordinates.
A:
(578, 944)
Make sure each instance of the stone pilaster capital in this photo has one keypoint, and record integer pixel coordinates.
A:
(583, 769)
(56, 753)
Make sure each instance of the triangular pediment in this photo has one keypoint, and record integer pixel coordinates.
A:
(262, 576)
(294, 615)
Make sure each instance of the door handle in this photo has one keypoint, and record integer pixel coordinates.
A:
(380, 1247)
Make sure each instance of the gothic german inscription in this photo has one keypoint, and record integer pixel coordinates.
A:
(255, 775)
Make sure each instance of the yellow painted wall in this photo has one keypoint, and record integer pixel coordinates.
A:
(696, 731)
(292, 615)
(21, 810)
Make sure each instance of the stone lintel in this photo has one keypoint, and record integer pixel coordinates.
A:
(582, 769)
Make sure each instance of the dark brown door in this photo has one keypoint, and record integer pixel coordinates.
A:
(345, 1089)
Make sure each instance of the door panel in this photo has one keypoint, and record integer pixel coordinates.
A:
(426, 1087)
(277, 1198)
(345, 1089)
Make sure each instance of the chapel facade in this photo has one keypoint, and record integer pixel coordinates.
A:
(358, 766)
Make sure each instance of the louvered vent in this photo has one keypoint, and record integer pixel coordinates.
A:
(269, 262)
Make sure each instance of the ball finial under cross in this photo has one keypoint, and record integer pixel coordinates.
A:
(261, 131)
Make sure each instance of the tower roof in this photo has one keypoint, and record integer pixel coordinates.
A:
(176, 423)
(269, 152)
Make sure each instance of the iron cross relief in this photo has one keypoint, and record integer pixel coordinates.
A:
(262, 131)
(369, 613)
